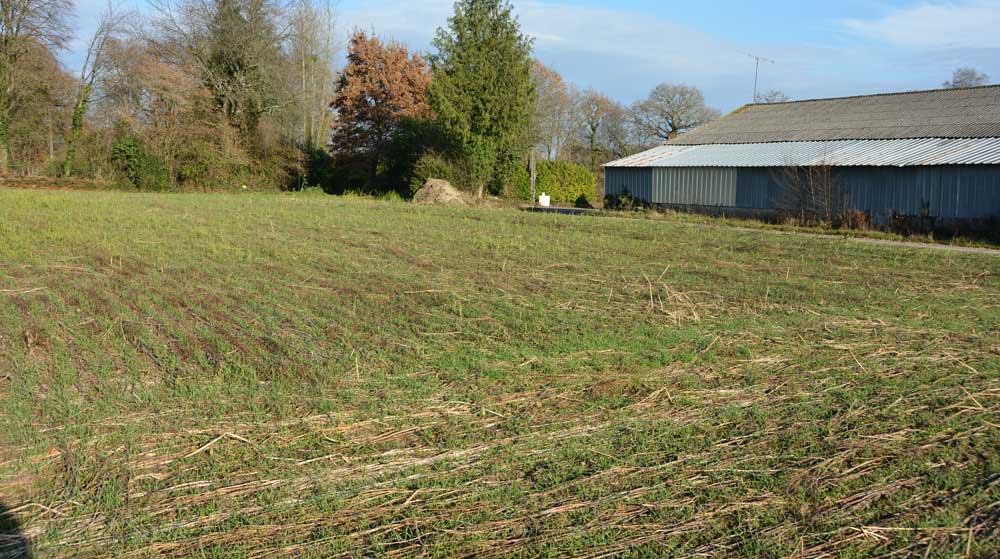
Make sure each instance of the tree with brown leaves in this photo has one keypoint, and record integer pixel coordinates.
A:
(382, 85)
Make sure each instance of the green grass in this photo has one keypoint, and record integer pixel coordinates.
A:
(303, 376)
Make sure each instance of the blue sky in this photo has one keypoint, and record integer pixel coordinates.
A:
(821, 49)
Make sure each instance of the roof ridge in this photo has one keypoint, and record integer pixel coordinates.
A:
(906, 139)
(888, 94)
(984, 137)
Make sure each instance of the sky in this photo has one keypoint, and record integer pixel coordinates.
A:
(624, 49)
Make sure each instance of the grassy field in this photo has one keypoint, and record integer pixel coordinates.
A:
(307, 376)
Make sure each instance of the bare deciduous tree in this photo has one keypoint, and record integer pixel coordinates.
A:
(556, 118)
(671, 110)
(23, 24)
(771, 96)
(594, 108)
(312, 48)
(621, 136)
(811, 195)
(966, 77)
(170, 111)
(95, 67)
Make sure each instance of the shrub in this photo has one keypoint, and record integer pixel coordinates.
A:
(521, 184)
(435, 166)
(621, 202)
(91, 161)
(140, 168)
(564, 181)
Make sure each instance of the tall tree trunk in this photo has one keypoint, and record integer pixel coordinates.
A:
(52, 143)
(5, 118)
(306, 108)
(79, 112)
(593, 148)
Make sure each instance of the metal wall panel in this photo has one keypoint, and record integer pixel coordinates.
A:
(695, 186)
(954, 191)
(947, 191)
(637, 182)
(757, 189)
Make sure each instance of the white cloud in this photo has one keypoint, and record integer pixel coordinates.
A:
(962, 24)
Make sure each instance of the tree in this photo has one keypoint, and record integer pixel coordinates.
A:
(312, 49)
(671, 110)
(594, 109)
(382, 85)
(168, 109)
(620, 135)
(95, 66)
(482, 90)
(39, 98)
(236, 47)
(607, 131)
(771, 96)
(812, 195)
(966, 77)
(25, 24)
(555, 119)
(242, 60)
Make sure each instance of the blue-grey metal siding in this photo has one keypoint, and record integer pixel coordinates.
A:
(946, 191)
(756, 189)
(952, 191)
(635, 181)
(696, 186)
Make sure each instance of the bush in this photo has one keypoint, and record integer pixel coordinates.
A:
(391, 166)
(509, 173)
(564, 181)
(140, 168)
(435, 166)
(622, 203)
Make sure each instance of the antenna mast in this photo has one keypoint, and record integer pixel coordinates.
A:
(756, 71)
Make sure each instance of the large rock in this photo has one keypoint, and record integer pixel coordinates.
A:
(437, 192)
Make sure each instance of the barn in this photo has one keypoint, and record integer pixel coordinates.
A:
(929, 154)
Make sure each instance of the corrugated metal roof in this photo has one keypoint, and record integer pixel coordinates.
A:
(942, 113)
(837, 153)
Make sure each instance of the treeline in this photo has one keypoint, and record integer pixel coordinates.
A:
(211, 94)
(473, 111)
(195, 94)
